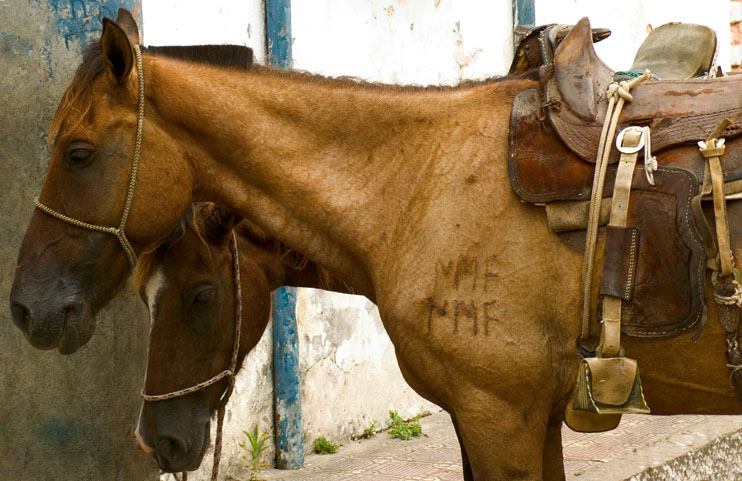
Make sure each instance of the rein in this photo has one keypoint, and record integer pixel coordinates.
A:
(117, 231)
(228, 373)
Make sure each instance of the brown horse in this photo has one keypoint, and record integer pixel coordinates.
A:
(402, 192)
(188, 286)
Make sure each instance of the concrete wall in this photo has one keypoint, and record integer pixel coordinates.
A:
(61, 418)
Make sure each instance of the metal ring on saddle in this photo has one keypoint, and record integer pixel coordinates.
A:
(715, 276)
(630, 150)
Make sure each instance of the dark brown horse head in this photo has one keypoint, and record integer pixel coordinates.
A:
(188, 285)
(65, 273)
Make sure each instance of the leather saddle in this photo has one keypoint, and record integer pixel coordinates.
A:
(555, 131)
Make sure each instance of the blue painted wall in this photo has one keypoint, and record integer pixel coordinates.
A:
(81, 19)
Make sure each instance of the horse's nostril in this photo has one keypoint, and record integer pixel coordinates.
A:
(21, 316)
(170, 450)
(75, 309)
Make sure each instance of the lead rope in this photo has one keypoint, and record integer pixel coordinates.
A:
(233, 362)
(618, 94)
(229, 372)
(117, 231)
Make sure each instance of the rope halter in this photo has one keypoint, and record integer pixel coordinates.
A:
(117, 231)
(228, 373)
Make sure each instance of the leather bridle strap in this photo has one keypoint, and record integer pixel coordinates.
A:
(228, 373)
(117, 231)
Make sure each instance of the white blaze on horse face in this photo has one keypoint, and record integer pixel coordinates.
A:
(153, 288)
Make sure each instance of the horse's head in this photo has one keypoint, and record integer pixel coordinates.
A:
(65, 273)
(188, 284)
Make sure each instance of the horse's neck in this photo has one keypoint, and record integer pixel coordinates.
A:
(327, 168)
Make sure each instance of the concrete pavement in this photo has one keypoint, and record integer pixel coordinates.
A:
(639, 443)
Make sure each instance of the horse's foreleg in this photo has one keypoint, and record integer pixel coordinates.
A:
(553, 464)
(468, 476)
(501, 439)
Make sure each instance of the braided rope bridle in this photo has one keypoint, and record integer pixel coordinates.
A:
(228, 373)
(117, 231)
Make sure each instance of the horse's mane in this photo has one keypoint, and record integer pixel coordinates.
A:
(77, 98)
(351, 81)
(192, 220)
(151, 257)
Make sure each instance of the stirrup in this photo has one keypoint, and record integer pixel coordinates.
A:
(609, 386)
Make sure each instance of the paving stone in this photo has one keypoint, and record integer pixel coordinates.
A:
(657, 447)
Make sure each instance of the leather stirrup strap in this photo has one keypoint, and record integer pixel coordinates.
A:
(629, 142)
(618, 94)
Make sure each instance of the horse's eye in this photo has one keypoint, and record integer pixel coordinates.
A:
(79, 157)
(203, 295)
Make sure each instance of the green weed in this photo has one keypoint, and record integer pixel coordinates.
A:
(255, 447)
(323, 446)
(402, 429)
(369, 432)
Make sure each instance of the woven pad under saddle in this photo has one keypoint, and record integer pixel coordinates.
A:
(668, 282)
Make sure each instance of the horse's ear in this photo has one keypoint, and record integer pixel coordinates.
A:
(118, 55)
(219, 223)
(128, 24)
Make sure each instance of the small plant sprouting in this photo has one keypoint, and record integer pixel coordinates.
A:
(402, 429)
(369, 432)
(323, 446)
(257, 444)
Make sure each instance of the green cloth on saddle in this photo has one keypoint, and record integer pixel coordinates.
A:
(677, 51)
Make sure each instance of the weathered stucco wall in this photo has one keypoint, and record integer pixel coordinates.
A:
(61, 418)
(349, 371)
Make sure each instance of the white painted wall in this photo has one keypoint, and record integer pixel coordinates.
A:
(196, 22)
(628, 20)
(403, 41)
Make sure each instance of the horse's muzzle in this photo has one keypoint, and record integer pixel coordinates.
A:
(49, 322)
